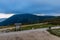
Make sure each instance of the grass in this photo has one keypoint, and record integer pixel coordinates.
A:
(55, 32)
(1, 27)
(28, 27)
(35, 27)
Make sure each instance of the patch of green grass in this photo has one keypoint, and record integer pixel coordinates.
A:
(29, 27)
(35, 27)
(55, 32)
(5, 27)
(32, 27)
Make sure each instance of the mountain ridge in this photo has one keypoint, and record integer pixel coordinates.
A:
(25, 19)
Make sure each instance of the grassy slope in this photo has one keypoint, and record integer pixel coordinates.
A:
(55, 32)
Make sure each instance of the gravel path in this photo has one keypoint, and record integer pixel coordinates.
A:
(29, 35)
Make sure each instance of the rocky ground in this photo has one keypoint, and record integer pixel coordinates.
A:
(28, 35)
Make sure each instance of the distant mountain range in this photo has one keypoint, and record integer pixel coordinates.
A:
(25, 19)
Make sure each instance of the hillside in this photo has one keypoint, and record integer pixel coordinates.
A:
(25, 19)
(55, 21)
(2, 19)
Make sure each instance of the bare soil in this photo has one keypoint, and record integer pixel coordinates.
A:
(32, 35)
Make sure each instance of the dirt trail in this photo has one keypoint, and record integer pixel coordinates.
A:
(31, 35)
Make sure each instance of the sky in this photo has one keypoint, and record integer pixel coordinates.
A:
(45, 7)
(30, 6)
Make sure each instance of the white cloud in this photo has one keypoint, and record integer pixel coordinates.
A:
(51, 14)
(40, 14)
(3, 15)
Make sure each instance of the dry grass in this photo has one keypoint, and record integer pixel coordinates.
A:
(32, 35)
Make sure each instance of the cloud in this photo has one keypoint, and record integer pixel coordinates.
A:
(3, 15)
(52, 14)
(40, 14)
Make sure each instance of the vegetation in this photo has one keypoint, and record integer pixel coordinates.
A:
(55, 32)
(29, 27)
(35, 27)
(1, 27)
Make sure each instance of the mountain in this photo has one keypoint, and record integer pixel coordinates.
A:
(25, 19)
(2, 19)
(55, 21)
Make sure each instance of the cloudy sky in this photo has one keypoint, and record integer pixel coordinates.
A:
(30, 6)
(50, 7)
